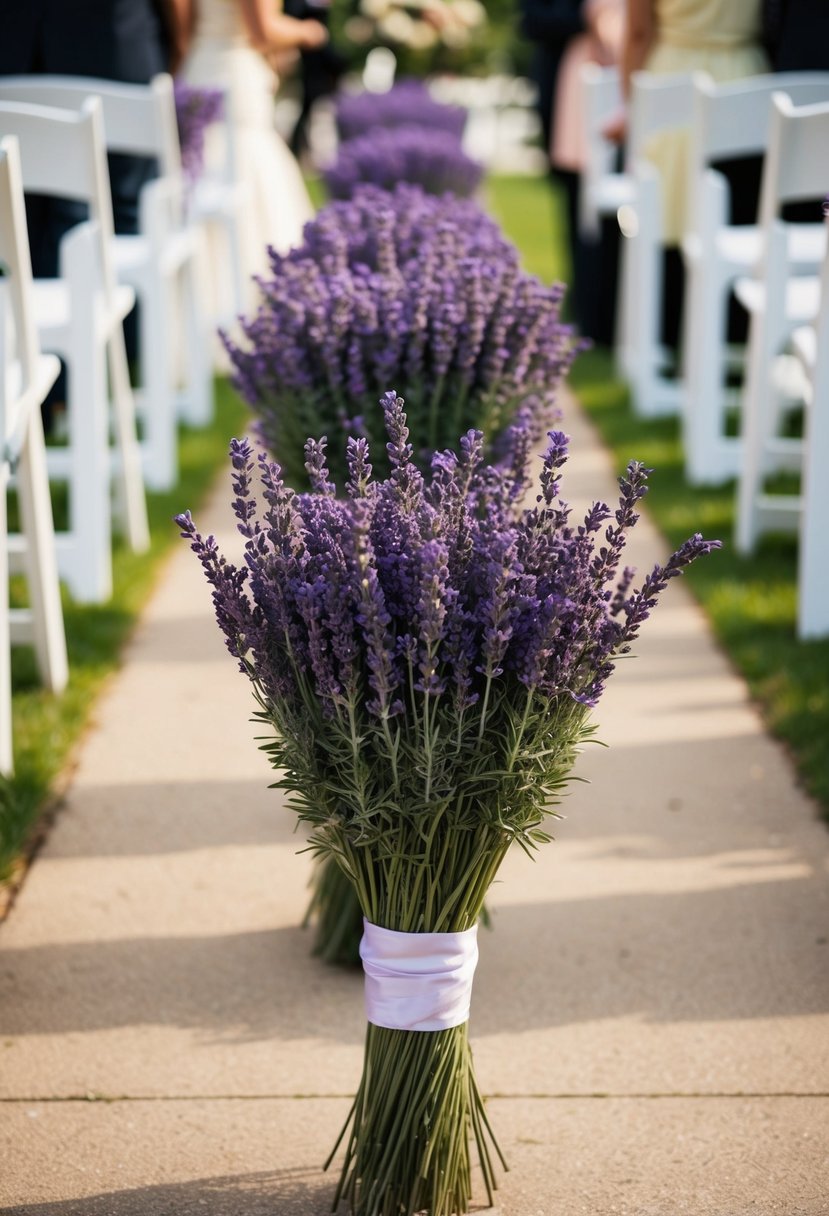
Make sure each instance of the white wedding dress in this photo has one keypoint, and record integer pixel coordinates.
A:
(220, 56)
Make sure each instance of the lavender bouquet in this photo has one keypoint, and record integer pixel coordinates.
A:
(398, 287)
(196, 109)
(426, 654)
(430, 158)
(408, 103)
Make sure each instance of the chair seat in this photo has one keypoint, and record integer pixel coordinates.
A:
(612, 192)
(802, 297)
(136, 260)
(804, 345)
(741, 245)
(53, 311)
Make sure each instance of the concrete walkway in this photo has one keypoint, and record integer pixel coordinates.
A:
(651, 1012)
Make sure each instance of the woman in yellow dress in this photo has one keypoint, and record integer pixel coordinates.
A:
(720, 37)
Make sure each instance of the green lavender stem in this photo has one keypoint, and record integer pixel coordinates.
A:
(408, 1137)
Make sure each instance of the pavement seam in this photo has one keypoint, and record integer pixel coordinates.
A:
(493, 1097)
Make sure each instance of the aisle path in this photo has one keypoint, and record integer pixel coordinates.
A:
(651, 1012)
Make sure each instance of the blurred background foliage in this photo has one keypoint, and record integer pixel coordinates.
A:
(493, 47)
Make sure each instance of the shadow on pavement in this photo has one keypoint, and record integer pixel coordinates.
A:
(291, 1192)
(747, 948)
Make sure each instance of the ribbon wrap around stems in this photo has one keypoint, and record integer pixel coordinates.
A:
(418, 981)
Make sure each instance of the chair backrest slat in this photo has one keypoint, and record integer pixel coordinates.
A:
(16, 262)
(733, 119)
(797, 163)
(657, 103)
(139, 119)
(62, 154)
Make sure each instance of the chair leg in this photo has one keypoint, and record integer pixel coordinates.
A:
(640, 320)
(158, 400)
(38, 528)
(812, 599)
(708, 460)
(648, 279)
(198, 400)
(6, 749)
(625, 309)
(237, 264)
(129, 475)
(767, 333)
(86, 563)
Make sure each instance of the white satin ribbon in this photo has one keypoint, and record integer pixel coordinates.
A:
(418, 981)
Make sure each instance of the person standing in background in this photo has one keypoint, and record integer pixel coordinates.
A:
(595, 258)
(231, 45)
(320, 70)
(566, 33)
(724, 39)
(125, 40)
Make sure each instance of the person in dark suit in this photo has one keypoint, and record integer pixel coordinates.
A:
(551, 25)
(798, 35)
(320, 69)
(126, 40)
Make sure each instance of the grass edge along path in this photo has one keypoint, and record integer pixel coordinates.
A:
(47, 728)
(751, 602)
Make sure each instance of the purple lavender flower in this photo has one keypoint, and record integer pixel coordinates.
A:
(451, 592)
(196, 109)
(383, 157)
(406, 289)
(407, 103)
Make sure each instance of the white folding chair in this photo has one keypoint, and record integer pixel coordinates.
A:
(218, 203)
(730, 121)
(658, 104)
(603, 189)
(26, 376)
(795, 169)
(162, 263)
(79, 316)
(811, 346)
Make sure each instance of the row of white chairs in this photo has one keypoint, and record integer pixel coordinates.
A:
(55, 133)
(26, 376)
(772, 267)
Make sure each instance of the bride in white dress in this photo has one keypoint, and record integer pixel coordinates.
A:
(229, 43)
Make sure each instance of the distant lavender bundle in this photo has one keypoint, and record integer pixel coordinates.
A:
(432, 159)
(408, 103)
(426, 653)
(403, 288)
(196, 108)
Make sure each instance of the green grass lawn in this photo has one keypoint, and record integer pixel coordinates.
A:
(47, 728)
(751, 602)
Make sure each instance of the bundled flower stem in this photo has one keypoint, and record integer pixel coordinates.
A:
(425, 655)
(335, 909)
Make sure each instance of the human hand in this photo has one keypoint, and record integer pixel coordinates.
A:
(314, 35)
(606, 23)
